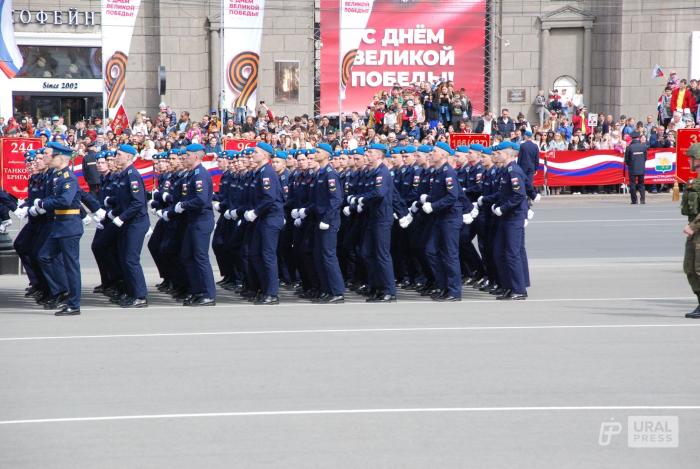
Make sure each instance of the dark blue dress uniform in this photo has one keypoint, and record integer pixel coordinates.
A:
(197, 205)
(378, 203)
(327, 201)
(510, 236)
(443, 248)
(63, 204)
(105, 243)
(129, 207)
(635, 159)
(529, 160)
(25, 241)
(268, 203)
(224, 225)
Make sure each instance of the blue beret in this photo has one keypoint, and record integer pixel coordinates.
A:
(528, 133)
(128, 149)
(164, 155)
(446, 147)
(230, 154)
(174, 151)
(40, 151)
(30, 155)
(100, 156)
(292, 152)
(311, 151)
(500, 146)
(325, 147)
(194, 147)
(109, 154)
(410, 148)
(487, 151)
(463, 149)
(60, 149)
(425, 148)
(247, 151)
(358, 151)
(477, 147)
(397, 150)
(281, 154)
(336, 153)
(378, 146)
(515, 146)
(266, 147)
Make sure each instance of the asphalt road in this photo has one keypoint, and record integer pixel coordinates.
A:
(414, 384)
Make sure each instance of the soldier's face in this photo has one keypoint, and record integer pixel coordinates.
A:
(101, 165)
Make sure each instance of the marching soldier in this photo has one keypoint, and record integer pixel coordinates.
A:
(690, 207)
(63, 204)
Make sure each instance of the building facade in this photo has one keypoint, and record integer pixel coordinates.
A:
(605, 49)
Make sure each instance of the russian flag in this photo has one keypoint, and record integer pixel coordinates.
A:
(10, 57)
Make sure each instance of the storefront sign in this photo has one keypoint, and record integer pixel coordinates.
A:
(72, 17)
(58, 85)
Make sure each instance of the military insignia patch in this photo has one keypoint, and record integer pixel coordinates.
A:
(198, 186)
(378, 181)
(331, 185)
(129, 172)
(286, 189)
(184, 188)
(448, 181)
(266, 183)
(510, 168)
(67, 186)
(167, 184)
(478, 176)
(196, 171)
(516, 183)
(134, 186)
(65, 175)
(416, 180)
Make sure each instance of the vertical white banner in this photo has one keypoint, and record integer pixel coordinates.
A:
(243, 26)
(354, 15)
(695, 55)
(118, 19)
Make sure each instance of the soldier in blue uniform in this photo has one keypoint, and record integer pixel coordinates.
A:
(511, 208)
(443, 248)
(104, 243)
(268, 216)
(326, 203)
(529, 160)
(377, 199)
(64, 239)
(223, 225)
(129, 214)
(196, 205)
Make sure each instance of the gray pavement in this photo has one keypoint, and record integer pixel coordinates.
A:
(413, 385)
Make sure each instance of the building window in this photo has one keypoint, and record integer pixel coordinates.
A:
(287, 82)
(61, 62)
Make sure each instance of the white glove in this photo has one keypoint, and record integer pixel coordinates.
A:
(40, 211)
(250, 215)
(166, 217)
(166, 196)
(353, 200)
(159, 213)
(150, 203)
(475, 212)
(396, 217)
(414, 206)
(234, 214)
(284, 221)
(149, 232)
(6, 223)
(20, 202)
(37, 202)
(33, 212)
(100, 214)
(405, 221)
(216, 206)
(349, 199)
(21, 212)
(99, 226)
(360, 201)
(530, 214)
(227, 214)
(428, 207)
(480, 201)
(537, 198)
(295, 213)
(498, 211)
(297, 222)
(526, 223)
(87, 220)
(423, 198)
(118, 222)
(179, 208)
(346, 210)
(323, 226)
(360, 208)
(467, 219)
(106, 201)
(302, 213)
(110, 215)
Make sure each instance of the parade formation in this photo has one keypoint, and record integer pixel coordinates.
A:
(429, 218)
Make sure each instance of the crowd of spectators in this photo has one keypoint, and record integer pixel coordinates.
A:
(425, 112)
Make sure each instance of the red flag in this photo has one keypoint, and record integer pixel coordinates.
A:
(657, 72)
(121, 121)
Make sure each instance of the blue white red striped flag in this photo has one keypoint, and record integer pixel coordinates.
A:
(10, 58)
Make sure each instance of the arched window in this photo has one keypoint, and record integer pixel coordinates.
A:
(568, 83)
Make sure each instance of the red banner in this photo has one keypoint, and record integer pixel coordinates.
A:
(12, 167)
(121, 121)
(686, 137)
(388, 42)
(469, 139)
(584, 168)
(238, 144)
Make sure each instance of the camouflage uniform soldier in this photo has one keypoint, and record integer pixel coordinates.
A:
(690, 207)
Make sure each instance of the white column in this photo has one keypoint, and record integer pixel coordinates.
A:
(587, 64)
(544, 60)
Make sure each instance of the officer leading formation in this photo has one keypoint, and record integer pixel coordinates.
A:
(370, 220)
